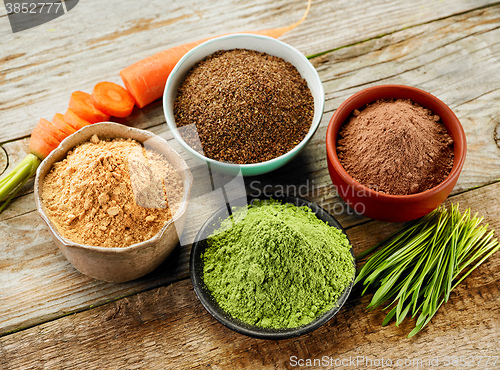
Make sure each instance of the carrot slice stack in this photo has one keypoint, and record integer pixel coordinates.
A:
(62, 125)
(52, 130)
(81, 103)
(42, 143)
(74, 120)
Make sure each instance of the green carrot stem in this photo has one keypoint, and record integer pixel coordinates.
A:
(13, 194)
(14, 181)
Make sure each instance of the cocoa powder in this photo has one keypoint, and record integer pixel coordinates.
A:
(395, 146)
(111, 193)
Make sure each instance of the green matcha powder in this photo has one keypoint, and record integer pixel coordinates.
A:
(276, 265)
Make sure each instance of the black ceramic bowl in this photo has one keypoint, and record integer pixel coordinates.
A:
(196, 271)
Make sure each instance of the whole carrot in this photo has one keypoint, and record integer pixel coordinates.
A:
(146, 79)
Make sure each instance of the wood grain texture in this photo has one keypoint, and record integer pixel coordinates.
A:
(446, 57)
(42, 66)
(160, 323)
(167, 327)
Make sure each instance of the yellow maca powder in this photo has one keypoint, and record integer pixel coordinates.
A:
(111, 193)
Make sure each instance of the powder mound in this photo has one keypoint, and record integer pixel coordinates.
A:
(111, 193)
(243, 106)
(395, 146)
(276, 265)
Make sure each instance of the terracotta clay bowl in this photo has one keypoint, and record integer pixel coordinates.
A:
(382, 206)
(118, 264)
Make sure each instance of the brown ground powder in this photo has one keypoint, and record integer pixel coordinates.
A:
(246, 106)
(111, 193)
(396, 147)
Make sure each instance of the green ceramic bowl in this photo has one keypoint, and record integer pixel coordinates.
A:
(253, 42)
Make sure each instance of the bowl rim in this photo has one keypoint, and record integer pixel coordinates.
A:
(314, 124)
(109, 250)
(252, 330)
(334, 126)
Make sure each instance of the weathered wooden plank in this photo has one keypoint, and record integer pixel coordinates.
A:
(167, 327)
(40, 67)
(67, 291)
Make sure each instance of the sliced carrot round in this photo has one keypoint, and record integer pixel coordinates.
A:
(81, 103)
(112, 99)
(52, 130)
(62, 125)
(42, 143)
(74, 120)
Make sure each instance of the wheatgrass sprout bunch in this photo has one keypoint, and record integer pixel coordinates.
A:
(415, 270)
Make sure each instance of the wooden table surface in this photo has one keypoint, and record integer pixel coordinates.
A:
(53, 317)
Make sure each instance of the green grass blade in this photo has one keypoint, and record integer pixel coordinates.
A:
(389, 317)
(402, 315)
